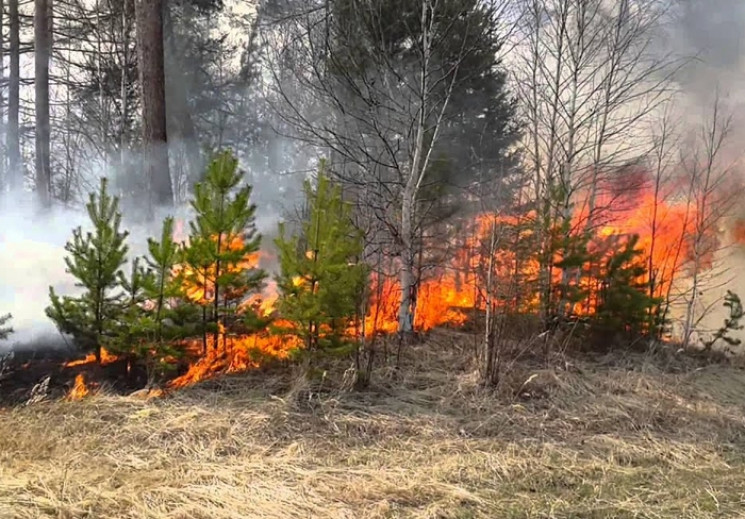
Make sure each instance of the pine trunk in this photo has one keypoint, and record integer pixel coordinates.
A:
(14, 95)
(43, 44)
(149, 19)
(3, 177)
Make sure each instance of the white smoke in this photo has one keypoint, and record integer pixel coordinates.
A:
(31, 260)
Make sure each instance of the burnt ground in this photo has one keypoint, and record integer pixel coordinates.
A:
(31, 370)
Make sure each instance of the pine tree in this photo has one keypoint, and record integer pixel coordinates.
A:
(170, 307)
(321, 277)
(130, 326)
(223, 243)
(95, 260)
(733, 304)
(5, 330)
(624, 302)
(156, 312)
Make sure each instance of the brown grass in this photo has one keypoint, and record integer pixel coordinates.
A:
(592, 440)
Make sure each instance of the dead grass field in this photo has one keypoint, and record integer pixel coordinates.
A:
(593, 440)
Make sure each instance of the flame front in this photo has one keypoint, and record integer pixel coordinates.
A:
(488, 247)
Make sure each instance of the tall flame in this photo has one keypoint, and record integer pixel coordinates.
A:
(448, 294)
(79, 389)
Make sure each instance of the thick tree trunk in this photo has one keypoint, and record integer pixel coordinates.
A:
(15, 168)
(149, 19)
(43, 44)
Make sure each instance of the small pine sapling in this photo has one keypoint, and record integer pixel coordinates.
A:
(321, 278)
(624, 302)
(95, 260)
(5, 330)
(731, 323)
(131, 326)
(220, 259)
(172, 311)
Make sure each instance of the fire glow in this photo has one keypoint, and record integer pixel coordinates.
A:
(448, 295)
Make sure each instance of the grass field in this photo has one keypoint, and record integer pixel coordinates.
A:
(601, 439)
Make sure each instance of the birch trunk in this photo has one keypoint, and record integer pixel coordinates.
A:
(43, 44)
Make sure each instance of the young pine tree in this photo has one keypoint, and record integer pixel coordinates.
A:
(223, 241)
(733, 304)
(129, 326)
(95, 260)
(155, 312)
(321, 278)
(624, 302)
(172, 311)
(5, 330)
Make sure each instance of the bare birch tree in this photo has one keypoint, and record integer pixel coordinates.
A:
(711, 195)
(43, 52)
(588, 79)
(377, 92)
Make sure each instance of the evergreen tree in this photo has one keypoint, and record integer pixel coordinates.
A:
(156, 312)
(321, 278)
(732, 323)
(624, 302)
(95, 260)
(130, 325)
(223, 243)
(5, 330)
(165, 289)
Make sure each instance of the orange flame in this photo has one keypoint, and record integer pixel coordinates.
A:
(447, 295)
(106, 358)
(79, 389)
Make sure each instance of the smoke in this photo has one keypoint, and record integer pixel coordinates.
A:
(32, 250)
(31, 260)
(711, 32)
(710, 36)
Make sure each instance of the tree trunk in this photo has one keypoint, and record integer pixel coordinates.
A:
(43, 44)
(15, 167)
(3, 177)
(406, 276)
(149, 20)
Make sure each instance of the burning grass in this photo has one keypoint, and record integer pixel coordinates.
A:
(600, 439)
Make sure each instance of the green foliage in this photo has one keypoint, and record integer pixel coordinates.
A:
(731, 323)
(372, 40)
(321, 275)
(624, 303)
(222, 238)
(576, 259)
(5, 330)
(95, 260)
(155, 313)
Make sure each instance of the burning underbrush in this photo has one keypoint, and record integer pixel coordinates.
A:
(204, 306)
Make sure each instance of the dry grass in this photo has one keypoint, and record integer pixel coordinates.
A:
(593, 441)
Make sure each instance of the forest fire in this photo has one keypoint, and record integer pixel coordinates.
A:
(664, 228)
(448, 295)
(497, 251)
